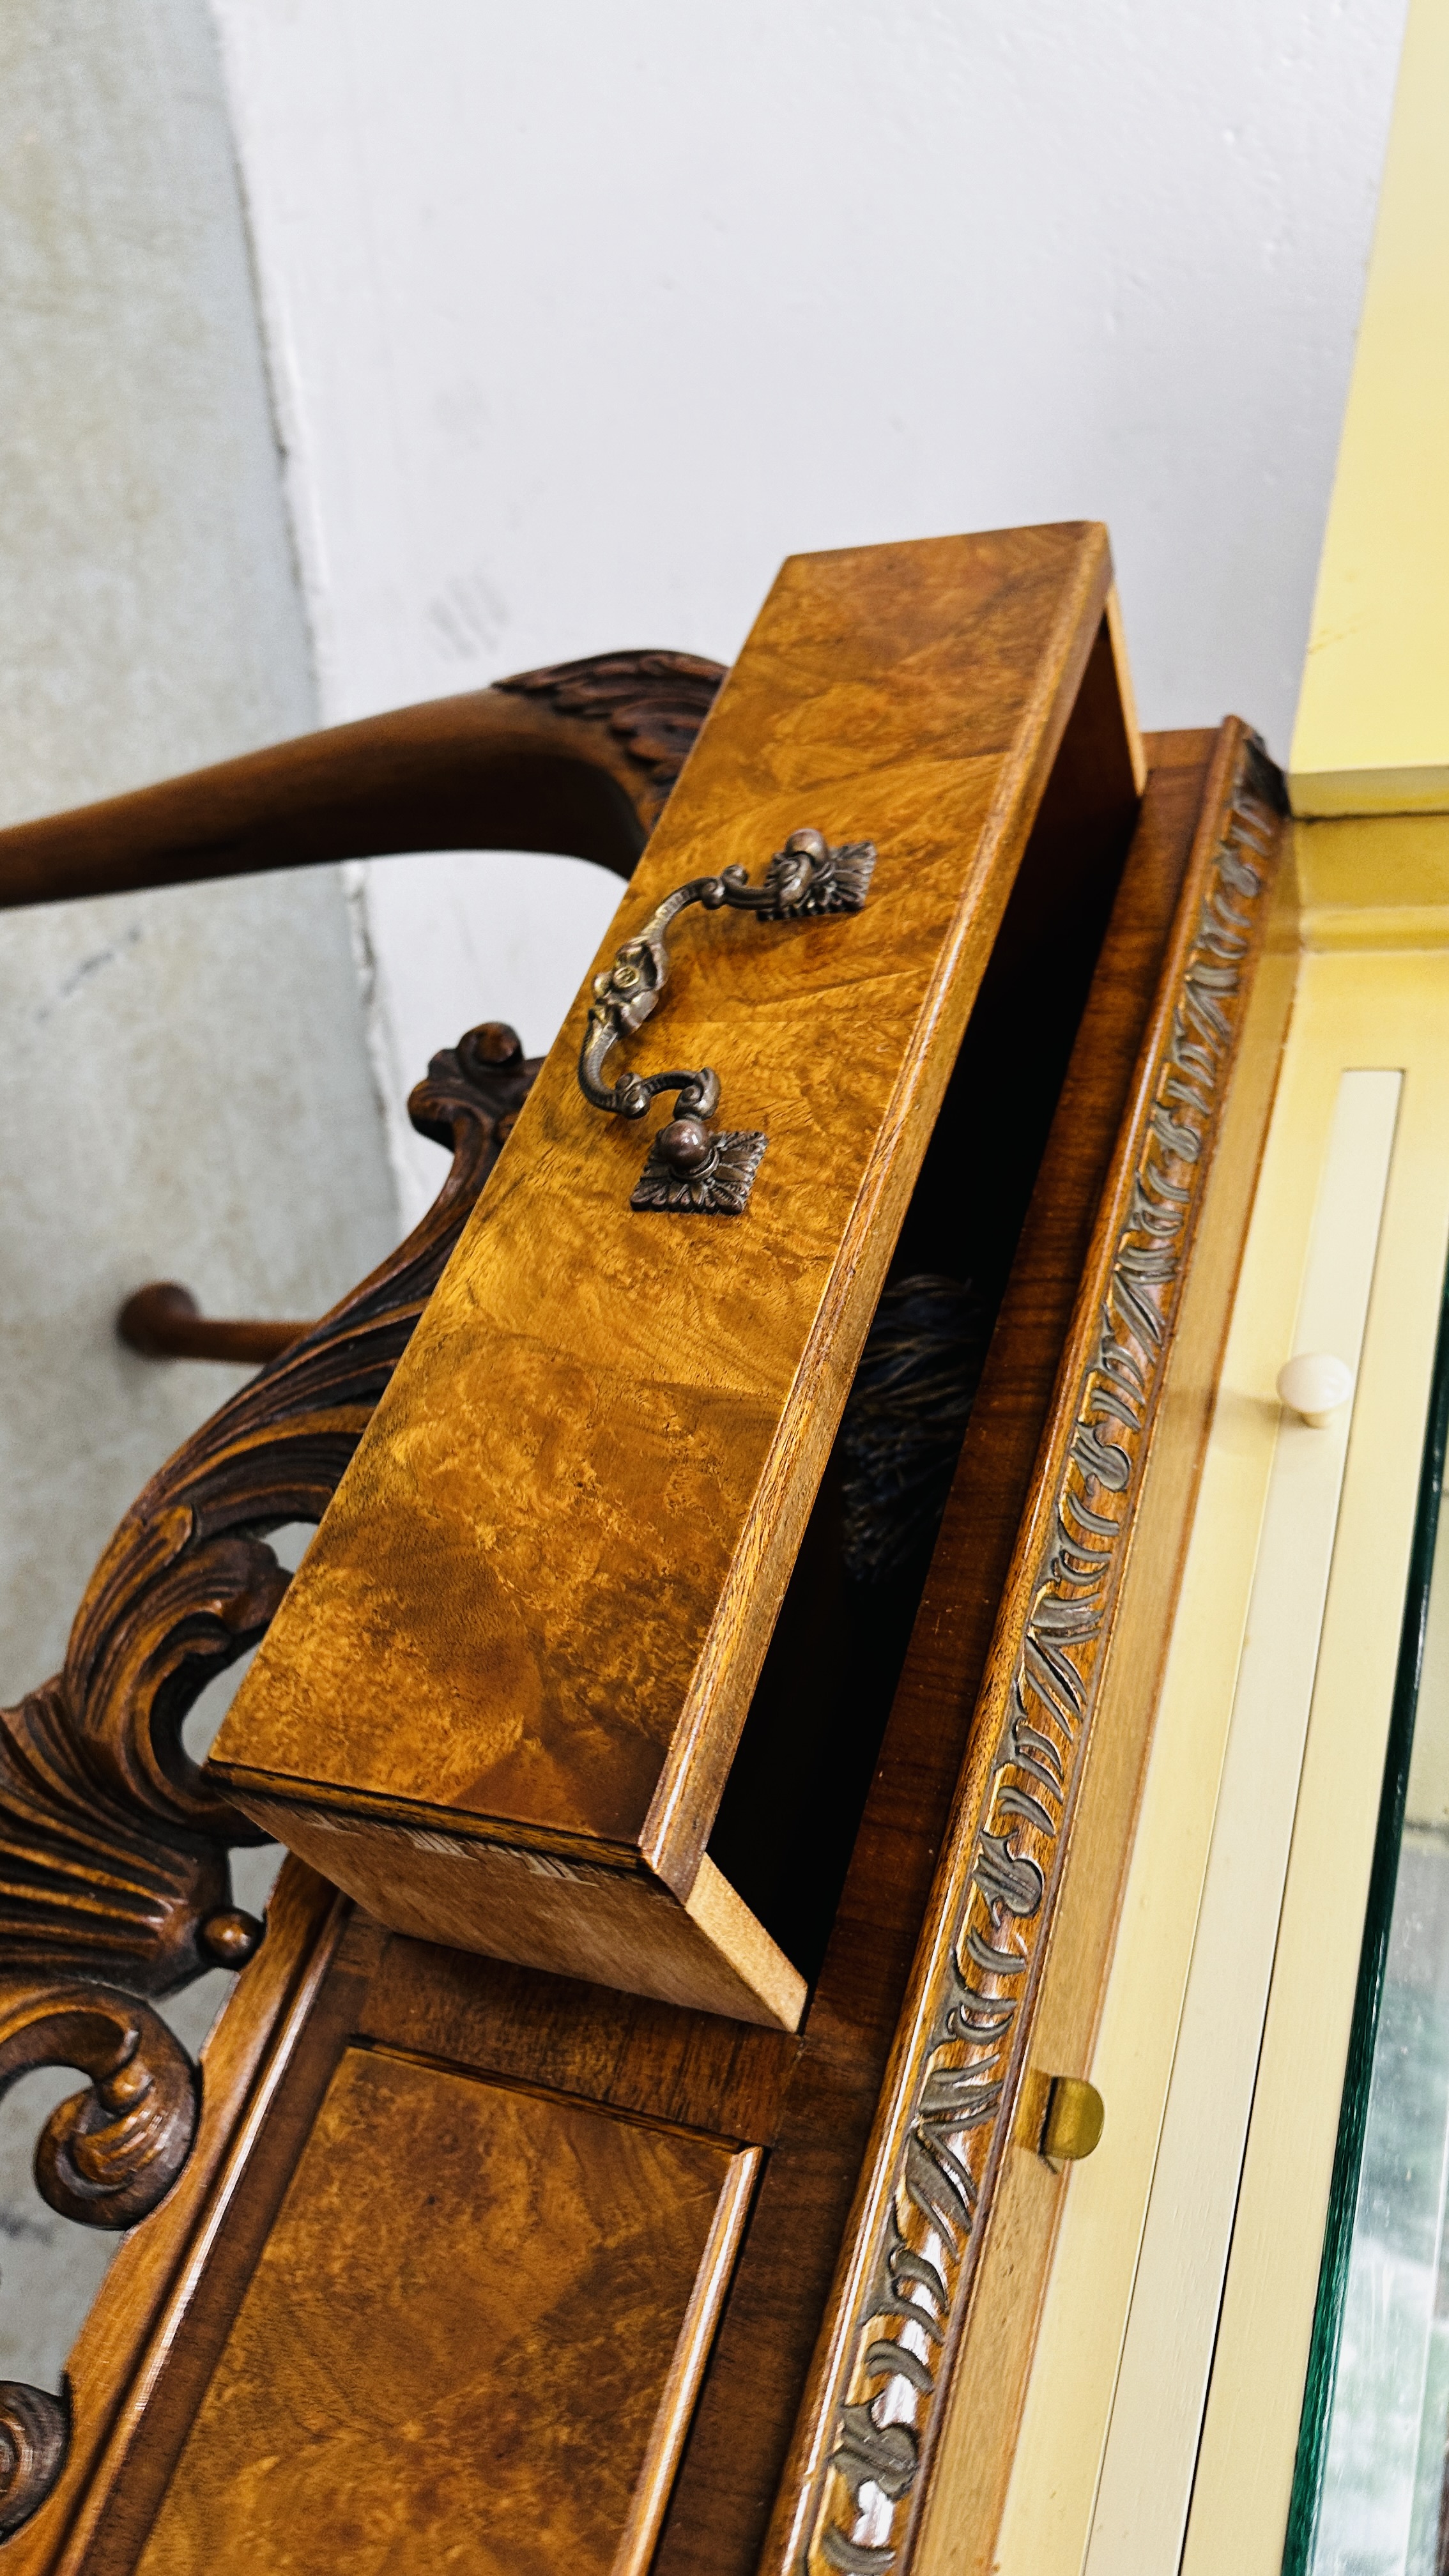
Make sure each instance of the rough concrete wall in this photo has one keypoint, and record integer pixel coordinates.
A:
(184, 1088)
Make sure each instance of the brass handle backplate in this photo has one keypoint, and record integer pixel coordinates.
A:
(692, 1166)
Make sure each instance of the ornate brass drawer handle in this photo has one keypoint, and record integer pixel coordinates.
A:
(693, 1166)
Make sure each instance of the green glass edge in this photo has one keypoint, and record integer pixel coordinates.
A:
(1308, 2466)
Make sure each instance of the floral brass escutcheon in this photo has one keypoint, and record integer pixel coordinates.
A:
(708, 1170)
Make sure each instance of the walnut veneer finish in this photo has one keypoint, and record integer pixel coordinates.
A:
(472, 2263)
(514, 2288)
(178, 2318)
(502, 1700)
(178, 2313)
(113, 1854)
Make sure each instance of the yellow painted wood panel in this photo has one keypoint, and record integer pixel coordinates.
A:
(1375, 1007)
(1144, 2490)
(1372, 733)
(1245, 2467)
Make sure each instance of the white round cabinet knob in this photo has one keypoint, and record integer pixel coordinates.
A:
(1316, 1385)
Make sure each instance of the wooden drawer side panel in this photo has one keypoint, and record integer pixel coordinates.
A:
(540, 1598)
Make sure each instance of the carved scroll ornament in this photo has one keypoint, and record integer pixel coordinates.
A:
(945, 2125)
(652, 704)
(114, 1872)
(33, 2429)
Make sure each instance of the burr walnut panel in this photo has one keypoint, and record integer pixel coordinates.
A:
(193, 2402)
(472, 2339)
(536, 1610)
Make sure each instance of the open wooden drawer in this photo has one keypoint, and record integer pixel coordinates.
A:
(631, 2127)
(502, 1702)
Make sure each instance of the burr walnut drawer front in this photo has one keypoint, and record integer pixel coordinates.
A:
(502, 1701)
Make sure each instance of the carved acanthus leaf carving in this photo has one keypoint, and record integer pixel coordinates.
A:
(114, 1851)
(114, 1876)
(652, 702)
(945, 2124)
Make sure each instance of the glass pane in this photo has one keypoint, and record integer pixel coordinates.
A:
(1369, 2494)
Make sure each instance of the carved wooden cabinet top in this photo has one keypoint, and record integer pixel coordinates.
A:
(536, 1609)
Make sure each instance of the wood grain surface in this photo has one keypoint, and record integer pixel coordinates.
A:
(950, 2114)
(114, 1854)
(480, 2292)
(120, 2363)
(736, 2455)
(807, 2101)
(539, 1602)
(618, 1927)
(577, 758)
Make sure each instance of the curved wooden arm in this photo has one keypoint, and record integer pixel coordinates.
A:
(578, 758)
(114, 1880)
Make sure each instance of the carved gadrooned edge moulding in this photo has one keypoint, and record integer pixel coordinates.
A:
(114, 1874)
(914, 2263)
(692, 1167)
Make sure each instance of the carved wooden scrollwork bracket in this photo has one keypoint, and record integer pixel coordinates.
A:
(115, 1885)
(33, 2429)
(109, 2155)
(114, 1870)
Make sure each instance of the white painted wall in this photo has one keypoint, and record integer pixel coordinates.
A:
(183, 1077)
(580, 318)
(584, 316)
